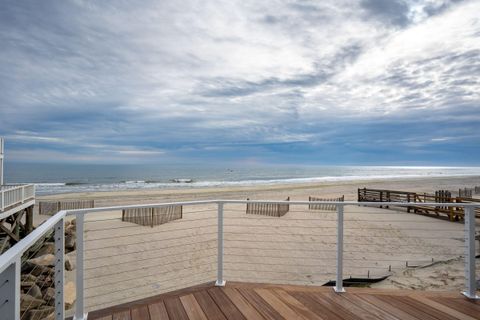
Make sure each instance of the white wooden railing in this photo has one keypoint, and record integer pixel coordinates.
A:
(10, 261)
(12, 195)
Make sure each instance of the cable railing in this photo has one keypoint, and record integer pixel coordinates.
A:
(125, 260)
(216, 240)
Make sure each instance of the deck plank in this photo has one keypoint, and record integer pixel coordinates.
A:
(225, 304)
(209, 306)
(122, 315)
(461, 305)
(140, 313)
(426, 308)
(443, 308)
(400, 303)
(340, 300)
(278, 304)
(335, 307)
(372, 308)
(314, 305)
(242, 304)
(258, 303)
(193, 309)
(175, 309)
(387, 307)
(252, 301)
(296, 305)
(158, 311)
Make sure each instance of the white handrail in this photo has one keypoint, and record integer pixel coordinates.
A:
(186, 203)
(12, 256)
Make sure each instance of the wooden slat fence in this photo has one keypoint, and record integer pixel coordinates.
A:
(327, 207)
(465, 192)
(477, 190)
(268, 209)
(449, 209)
(152, 216)
(377, 195)
(52, 207)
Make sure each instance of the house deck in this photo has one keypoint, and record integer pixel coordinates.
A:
(263, 301)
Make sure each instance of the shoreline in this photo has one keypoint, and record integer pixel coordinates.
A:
(456, 181)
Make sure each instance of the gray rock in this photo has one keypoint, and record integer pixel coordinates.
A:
(46, 260)
(28, 302)
(70, 241)
(70, 229)
(47, 248)
(27, 284)
(49, 295)
(45, 281)
(72, 258)
(28, 278)
(35, 291)
(40, 313)
(69, 266)
(69, 294)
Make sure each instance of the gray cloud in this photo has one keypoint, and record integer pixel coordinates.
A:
(390, 11)
(168, 76)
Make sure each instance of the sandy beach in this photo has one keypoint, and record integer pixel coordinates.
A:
(125, 262)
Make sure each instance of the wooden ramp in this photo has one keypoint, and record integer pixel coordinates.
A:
(446, 203)
(259, 301)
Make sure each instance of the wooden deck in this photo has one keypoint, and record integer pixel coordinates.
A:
(259, 301)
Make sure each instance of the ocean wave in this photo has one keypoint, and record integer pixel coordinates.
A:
(50, 188)
(75, 183)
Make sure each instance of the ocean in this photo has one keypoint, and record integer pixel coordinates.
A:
(66, 178)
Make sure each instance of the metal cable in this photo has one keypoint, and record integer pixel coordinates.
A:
(176, 277)
(149, 250)
(136, 260)
(143, 233)
(145, 268)
(150, 241)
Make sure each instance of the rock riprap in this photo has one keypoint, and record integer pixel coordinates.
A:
(37, 300)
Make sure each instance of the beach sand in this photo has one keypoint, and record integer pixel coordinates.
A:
(126, 262)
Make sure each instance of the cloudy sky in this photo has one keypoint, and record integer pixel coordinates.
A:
(318, 82)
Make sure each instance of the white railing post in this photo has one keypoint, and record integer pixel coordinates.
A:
(3, 199)
(471, 282)
(79, 299)
(339, 280)
(10, 291)
(23, 194)
(59, 269)
(220, 282)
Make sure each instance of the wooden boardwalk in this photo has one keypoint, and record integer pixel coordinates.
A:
(259, 301)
